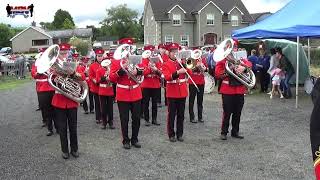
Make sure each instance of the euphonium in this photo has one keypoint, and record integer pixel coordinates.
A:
(123, 53)
(59, 71)
(225, 51)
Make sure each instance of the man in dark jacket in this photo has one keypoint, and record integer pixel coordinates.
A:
(286, 66)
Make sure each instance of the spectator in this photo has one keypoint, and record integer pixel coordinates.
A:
(277, 75)
(263, 64)
(287, 68)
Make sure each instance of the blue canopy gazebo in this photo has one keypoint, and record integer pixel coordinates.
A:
(299, 18)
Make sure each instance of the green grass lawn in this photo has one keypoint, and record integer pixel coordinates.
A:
(12, 82)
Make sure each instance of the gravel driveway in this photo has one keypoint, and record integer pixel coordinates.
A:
(276, 144)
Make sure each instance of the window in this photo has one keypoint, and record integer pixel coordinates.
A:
(184, 40)
(227, 36)
(176, 19)
(168, 39)
(40, 42)
(210, 19)
(234, 20)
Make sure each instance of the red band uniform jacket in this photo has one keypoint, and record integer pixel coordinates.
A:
(42, 84)
(151, 79)
(196, 74)
(176, 84)
(132, 91)
(105, 86)
(94, 87)
(60, 101)
(220, 73)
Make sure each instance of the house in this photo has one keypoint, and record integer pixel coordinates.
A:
(193, 22)
(33, 38)
(107, 42)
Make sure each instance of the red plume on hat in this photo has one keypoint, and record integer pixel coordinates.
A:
(99, 51)
(173, 46)
(163, 46)
(149, 47)
(64, 46)
(129, 41)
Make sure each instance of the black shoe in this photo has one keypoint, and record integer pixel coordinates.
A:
(147, 123)
(159, 105)
(193, 121)
(126, 146)
(91, 112)
(44, 125)
(155, 122)
(111, 126)
(223, 137)
(57, 131)
(98, 121)
(75, 154)
(65, 155)
(103, 127)
(50, 133)
(136, 145)
(86, 112)
(237, 136)
(38, 109)
(201, 121)
(180, 139)
(172, 139)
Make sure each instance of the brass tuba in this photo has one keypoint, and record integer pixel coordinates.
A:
(123, 53)
(58, 72)
(225, 51)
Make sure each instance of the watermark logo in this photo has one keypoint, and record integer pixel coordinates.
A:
(26, 11)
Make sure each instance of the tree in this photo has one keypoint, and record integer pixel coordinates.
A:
(5, 35)
(46, 25)
(59, 19)
(121, 21)
(67, 24)
(81, 46)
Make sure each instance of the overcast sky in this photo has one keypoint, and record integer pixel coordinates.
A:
(91, 12)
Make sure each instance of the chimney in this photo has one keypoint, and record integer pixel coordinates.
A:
(33, 24)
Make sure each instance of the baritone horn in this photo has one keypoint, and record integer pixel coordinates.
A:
(59, 71)
(225, 51)
(123, 54)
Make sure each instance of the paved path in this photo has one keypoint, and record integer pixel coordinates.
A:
(276, 144)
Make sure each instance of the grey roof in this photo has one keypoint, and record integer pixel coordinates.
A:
(161, 7)
(68, 33)
(256, 16)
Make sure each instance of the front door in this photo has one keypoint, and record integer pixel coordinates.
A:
(210, 38)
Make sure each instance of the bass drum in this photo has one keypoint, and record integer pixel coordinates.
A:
(209, 83)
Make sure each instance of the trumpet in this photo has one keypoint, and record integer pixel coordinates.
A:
(128, 62)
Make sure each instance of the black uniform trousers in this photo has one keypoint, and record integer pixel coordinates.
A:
(264, 80)
(193, 93)
(91, 105)
(97, 106)
(176, 107)
(148, 93)
(315, 129)
(67, 118)
(107, 109)
(47, 110)
(114, 86)
(165, 93)
(232, 105)
(124, 108)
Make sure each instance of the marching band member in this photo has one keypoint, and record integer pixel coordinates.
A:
(105, 93)
(94, 85)
(85, 68)
(66, 112)
(129, 99)
(232, 97)
(45, 93)
(150, 87)
(164, 56)
(177, 91)
(198, 76)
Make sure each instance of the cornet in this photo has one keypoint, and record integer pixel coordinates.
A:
(225, 51)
